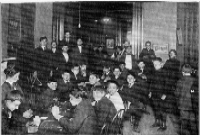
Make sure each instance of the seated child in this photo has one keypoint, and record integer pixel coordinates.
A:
(84, 73)
(133, 96)
(124, 71)
(11, 102)
(106, 73)
(65, 86)
(104, 108)
(117, 76)
(75, 75)
(113, 95)
(50, 96)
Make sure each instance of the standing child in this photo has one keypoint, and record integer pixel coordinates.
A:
(159, 95)
(183, 93)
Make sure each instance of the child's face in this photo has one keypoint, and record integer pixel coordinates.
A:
(75, 70)
(53, 45)
(65, 49)
(83, 67)
(66, 76)
(13, 105)
(93, 79)
(15, 78)
(122, 66)
(128, 50)
(141, 65)
(106, 70)
(112, 88)
(116, 72)
(74, 101)
(52, 85)
(130, 79)
(157, 65)
(98, 94)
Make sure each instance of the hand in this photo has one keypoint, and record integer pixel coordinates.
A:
(163, 97)
(93, 103)
(150, 95)
(28, 113)
(35, 74)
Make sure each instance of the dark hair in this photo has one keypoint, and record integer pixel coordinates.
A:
(140, 60)
(43, 38)
(117, 67)
(99, 88)
(14, 95)
(51, 79)
(114, 82)
(186, 68)
(78, 94)
(157, 59)
(148, 42)
(95, 74)
(173, 50)
(65, 71)
(75, 65)
(10, 71)
(132, 73)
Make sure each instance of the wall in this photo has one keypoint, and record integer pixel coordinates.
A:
(43, 22)
(159, 24)
(4, 26)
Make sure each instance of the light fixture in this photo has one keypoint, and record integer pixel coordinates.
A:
(79, 24)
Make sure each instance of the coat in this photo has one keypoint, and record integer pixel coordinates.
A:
(64, 89)
(78, 57)
(134, 63)
(62, 64)
(84, 120)
(146, 53)
(105, 111)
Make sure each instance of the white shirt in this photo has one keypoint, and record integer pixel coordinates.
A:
(53, 50)
(116, 100)
(66, 56)
(80, 48)
(43, 47)
(128, 62)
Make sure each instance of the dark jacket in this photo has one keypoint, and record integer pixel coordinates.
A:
(158, 84)
(84, 120)
(53, 59)
(149, 54)
(183, 92)
(134, 64)
(64, 89)
(105, 111)
(78, 57)
(62, 64)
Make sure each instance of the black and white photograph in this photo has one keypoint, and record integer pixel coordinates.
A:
(99, 67)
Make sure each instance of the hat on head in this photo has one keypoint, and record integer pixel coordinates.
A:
(52, 79)
(131, 73)
(99, 88)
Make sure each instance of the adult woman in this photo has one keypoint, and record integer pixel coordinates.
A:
(83, 121)
(12, 76)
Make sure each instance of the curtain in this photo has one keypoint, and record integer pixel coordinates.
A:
(136, 40)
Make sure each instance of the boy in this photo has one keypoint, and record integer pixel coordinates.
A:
(75, 75)
(65, 86)
(183, 93)
(124, 71)
(113, 95)
(11, 102)
(159, 95)
(133, 95)
(50, 95)
(106, 73)
(117, 76)
(104, 108)
(84, 75)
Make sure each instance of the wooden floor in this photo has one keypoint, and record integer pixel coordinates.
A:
(148, 120)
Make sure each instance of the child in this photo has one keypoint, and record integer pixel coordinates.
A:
(117, 76)
(133, 95)
(159, 95)
(104, 108)
(113, 95)
(124, 71)
(65, 86)
(11, 102)
(106, 73)
(50, 95)
(184, 97)
(75, 76)
(84, 73)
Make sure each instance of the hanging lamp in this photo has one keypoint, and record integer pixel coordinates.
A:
(79, 24)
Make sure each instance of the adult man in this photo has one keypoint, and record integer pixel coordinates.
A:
(79, 52)
(41, 61)
(147, 53)
(129, 59)
(67, 41)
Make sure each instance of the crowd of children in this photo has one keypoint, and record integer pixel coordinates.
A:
(96, 93)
